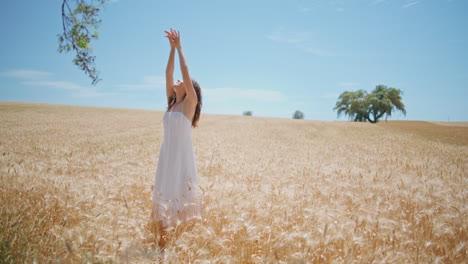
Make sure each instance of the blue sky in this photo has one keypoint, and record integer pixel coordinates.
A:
(271, 57)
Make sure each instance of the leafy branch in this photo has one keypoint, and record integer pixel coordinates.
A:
(80, 23)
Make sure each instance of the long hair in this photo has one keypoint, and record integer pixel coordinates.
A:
(171, 101)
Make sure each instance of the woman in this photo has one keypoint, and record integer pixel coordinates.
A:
(175, 194)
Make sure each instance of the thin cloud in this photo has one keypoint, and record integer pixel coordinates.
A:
(55, 84)
(27, 74)
(284, 36)
(150, 82)
(227, 94)
(44, 79)
(299, 39)
(407, 4)
(410, 4)
(338, 5)
(348, 84)
(77, 90)
(376, 2)
(330, 96)
(319, 52)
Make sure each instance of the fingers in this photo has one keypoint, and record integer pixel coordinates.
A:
(172, 34)
(169, 35)
(176, 35)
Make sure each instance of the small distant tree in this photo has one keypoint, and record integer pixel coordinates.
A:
(247, 113)
(298, 115)
(361, 106)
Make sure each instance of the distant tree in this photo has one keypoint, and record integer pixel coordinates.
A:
(361, 106)
(80, 23)
(353, 104)
(298, 115)
(247, 113)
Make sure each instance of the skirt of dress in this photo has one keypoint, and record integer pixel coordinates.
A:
(175, 193)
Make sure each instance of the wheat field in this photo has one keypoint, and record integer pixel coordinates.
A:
(76, 187)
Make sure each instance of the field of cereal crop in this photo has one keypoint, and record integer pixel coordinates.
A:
(76, 182)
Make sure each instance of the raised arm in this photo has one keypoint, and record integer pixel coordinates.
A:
(189, 89)
(170, 69)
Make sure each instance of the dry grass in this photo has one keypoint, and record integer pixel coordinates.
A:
(76, 185)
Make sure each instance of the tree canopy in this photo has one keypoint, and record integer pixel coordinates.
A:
(80, 23)
(361, 105)
(298, 115)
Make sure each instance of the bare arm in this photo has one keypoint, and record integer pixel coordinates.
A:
(189, 90)
(170, 70)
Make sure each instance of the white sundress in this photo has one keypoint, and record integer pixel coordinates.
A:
(175, 193)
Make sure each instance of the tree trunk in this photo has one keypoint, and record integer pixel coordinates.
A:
(370, 120)
(376, 117)
(379, 116)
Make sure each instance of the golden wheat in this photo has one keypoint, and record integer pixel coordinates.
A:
(76, 187)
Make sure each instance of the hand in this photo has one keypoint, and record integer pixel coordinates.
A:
(174, 37)
(169, 36)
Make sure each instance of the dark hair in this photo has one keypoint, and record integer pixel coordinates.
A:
(171, 101)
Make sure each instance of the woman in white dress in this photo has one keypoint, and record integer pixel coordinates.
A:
(175, 193)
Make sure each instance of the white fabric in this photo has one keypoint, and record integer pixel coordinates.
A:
(175, 194)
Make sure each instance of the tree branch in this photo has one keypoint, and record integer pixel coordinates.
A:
(76, 34)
